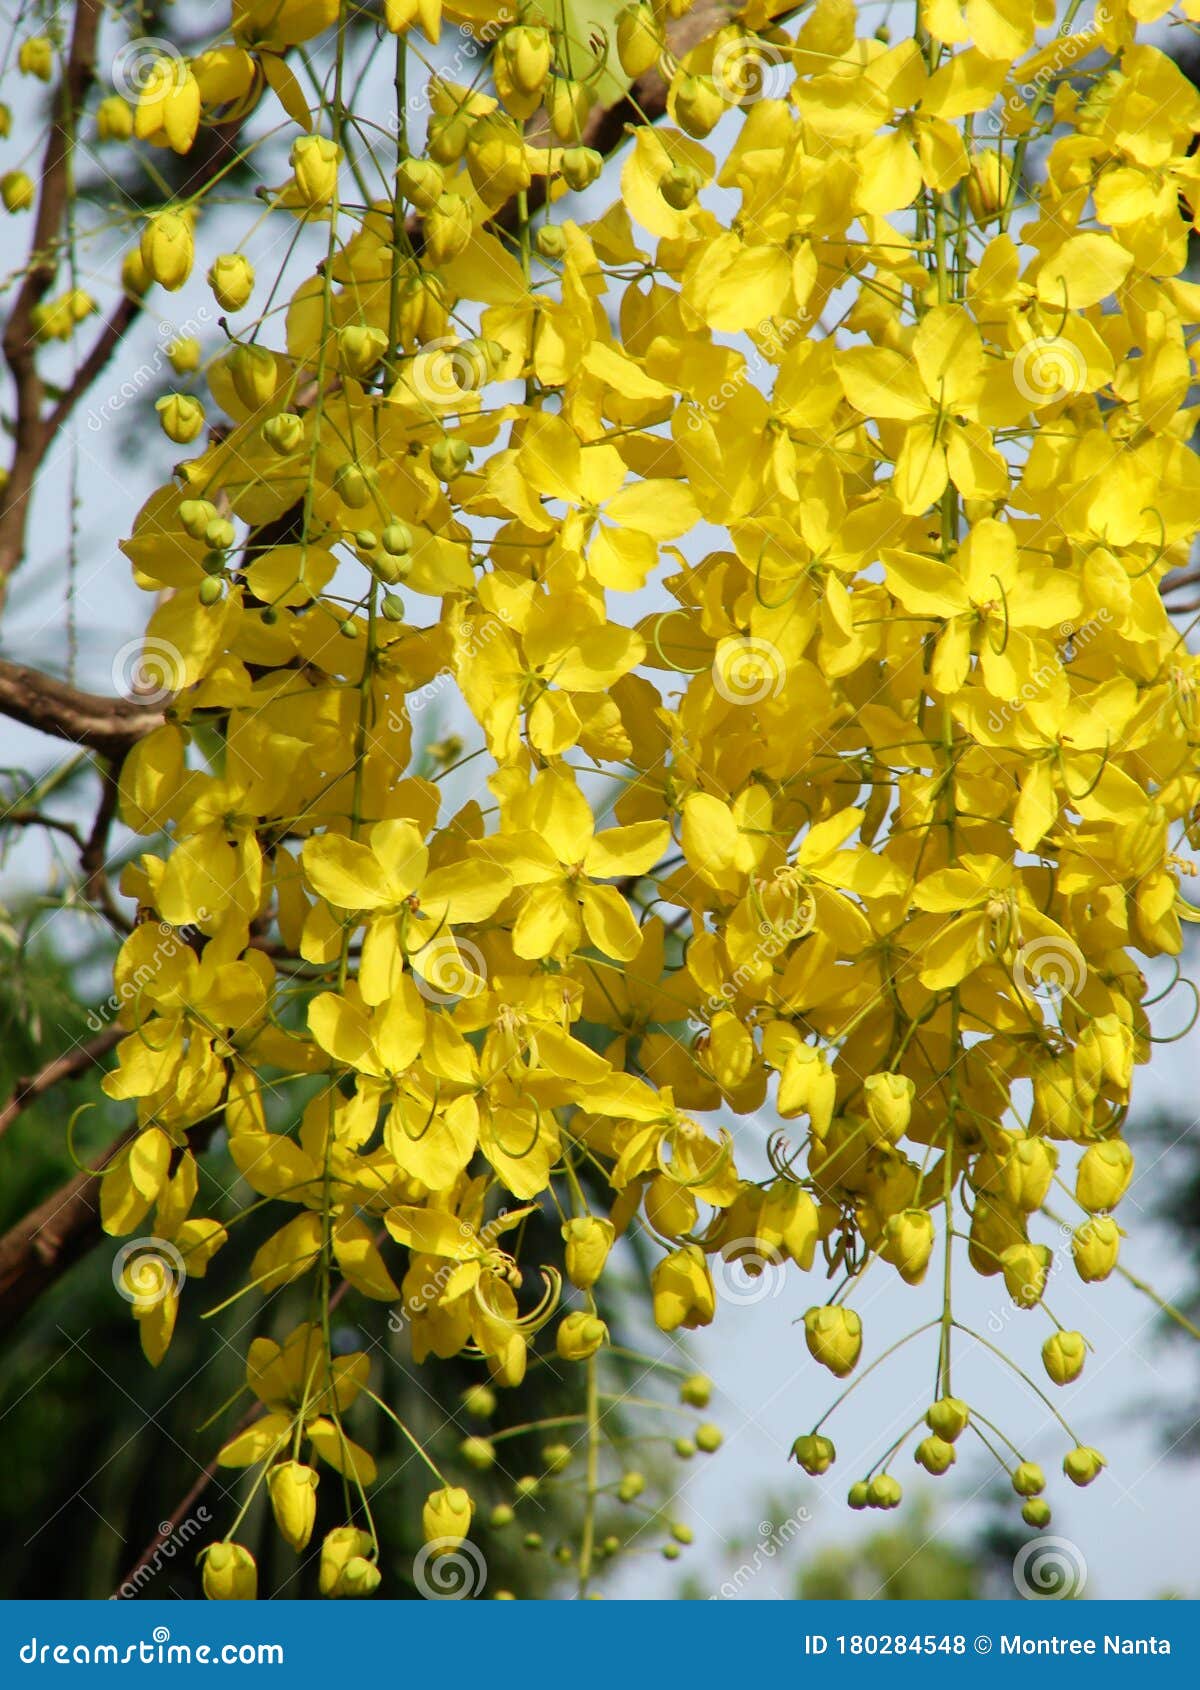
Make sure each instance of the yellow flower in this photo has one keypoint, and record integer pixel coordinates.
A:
(834, 1337)
(231, 277)
(446, 1516)
(579, 1336)
(16, 190)
(293, 1491)
(181, 416)
(556, 857)
(409, 908)
(229, 1573)
(168, 249)
(683, 1290)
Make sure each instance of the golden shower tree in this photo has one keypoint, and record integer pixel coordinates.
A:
(766, 431)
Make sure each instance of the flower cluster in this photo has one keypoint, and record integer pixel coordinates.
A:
(881, 427)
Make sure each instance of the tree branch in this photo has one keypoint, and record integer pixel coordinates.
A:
(106, 725)
(75, 1061)
(31, 431)
(39, 1249)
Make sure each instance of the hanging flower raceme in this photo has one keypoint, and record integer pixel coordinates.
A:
(875, 820)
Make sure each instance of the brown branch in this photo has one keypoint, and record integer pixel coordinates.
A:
(106, 725)
(75, 1061)
(31, 431)
(38, 1250)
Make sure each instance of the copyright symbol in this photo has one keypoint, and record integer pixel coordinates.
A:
(983, 1645)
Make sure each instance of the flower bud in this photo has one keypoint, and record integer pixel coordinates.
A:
(1025, 1267)
(521, 64)
(709, 1438)
(479, 1453)
(684, 1448)
(220, 534)
(351, 486)
(254, 375)
(449, 457)
(883, 1491)
(396, 540)
(293, 1491)
(501, 1515)
(580, 1335)
(181, 417)
(834, 1337)
(314, 160)
(1095, 1246)
(550, 241)
(229, 1573)
(16, 190)
(361, 348)
(683, 1290)
(495, 153)
(588, 1241)
(421, 182)
(168, 249)
(183, 355)
(448, 227)
(556, 1458)
(35, 57)
(860, 1494)
(1103, 1176)
(630, 1487)
(935, 1455)
(195, 516)
(1027, 1172)
(446, 1516)
(679, 187)
(1114, 1040)
(995, 1226)
(231, 277)
(114, 119)
(135, 278)
(815, 1453)
(640, 41)
(581, 166)
(478, 1400)
(908, 1244)
(1063, 1356)
(889, 1104)
(284, 433)
(696, 1390)
(341, 1546)
(1083, 1464)
(447, 136)
(988, 184)
(1028, 1479)
(948, 1418)
(1036, 1512)
(209, 590)
(697, 105)
(568, 106)
(360, 1578)
(168, 107)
